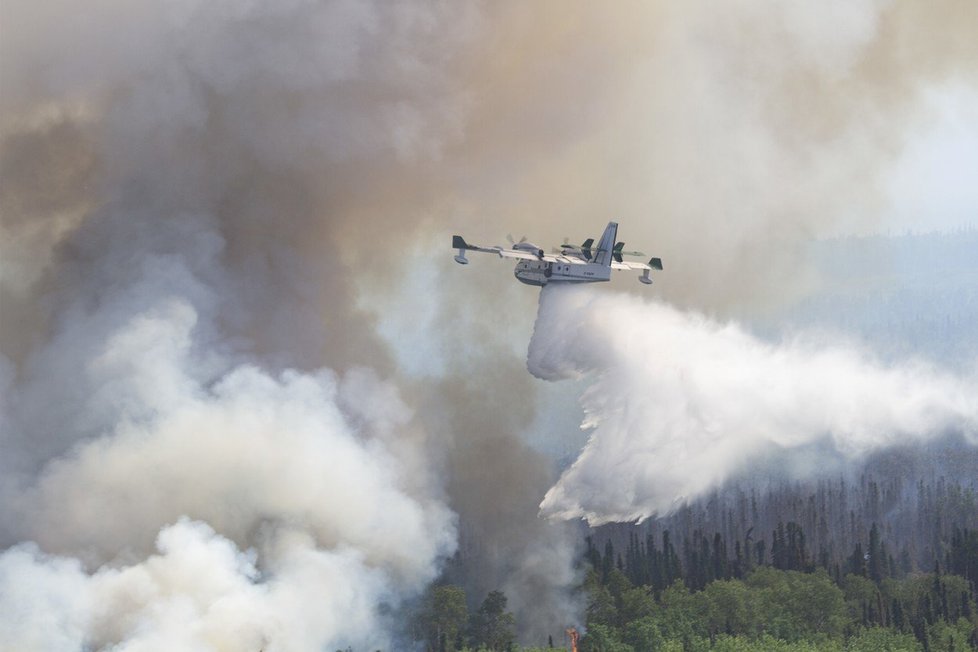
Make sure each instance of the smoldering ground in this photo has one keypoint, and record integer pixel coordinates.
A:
(200, 201)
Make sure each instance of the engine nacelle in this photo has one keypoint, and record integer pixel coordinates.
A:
(529, 247)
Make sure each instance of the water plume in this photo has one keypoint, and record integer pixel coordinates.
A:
(679, 402)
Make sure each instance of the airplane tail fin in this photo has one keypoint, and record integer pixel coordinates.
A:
(605, 252)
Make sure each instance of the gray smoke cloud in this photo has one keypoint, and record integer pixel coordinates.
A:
(208, 211)
(184, 469)
(678, 402)
(313, 507)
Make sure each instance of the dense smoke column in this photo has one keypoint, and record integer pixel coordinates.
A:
(186, 472)
(197, 254)
(495, 481)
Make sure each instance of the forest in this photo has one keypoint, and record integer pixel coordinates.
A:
(886, 560)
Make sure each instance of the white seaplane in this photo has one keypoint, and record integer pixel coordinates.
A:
(568, 264)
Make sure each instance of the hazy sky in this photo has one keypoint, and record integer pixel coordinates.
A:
(933, 185)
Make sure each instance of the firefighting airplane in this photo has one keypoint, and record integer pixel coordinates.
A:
(569, 264)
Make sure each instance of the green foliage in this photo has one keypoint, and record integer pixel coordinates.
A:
(928, 599)
(793, 605)
(636, 603)
(677, 619)
(492, 626)
(767, 643)
(950, 637)
(443, 617)
(617, 583)
(602, 638)
(882, 639)
(643, 634)
(862, 598)
(650, 599)
(728, 607)
(601, 609)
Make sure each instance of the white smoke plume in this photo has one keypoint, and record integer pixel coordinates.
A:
(314, 514)
(679, 402)
(199, 591)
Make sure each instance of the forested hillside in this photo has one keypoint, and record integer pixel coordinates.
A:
(909, 502)
(818, 561)
(885, 558)
(782, 610)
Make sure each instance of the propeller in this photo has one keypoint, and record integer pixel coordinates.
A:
(510, 238)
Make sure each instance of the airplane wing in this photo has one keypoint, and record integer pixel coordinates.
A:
(526, 255)
(565, 259)
(513, 253)
(458, 242)
(655, 263)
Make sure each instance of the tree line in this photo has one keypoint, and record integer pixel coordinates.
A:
(885, 560)
(916, 501)
(653, 596)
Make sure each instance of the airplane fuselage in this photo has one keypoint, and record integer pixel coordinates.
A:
(587, 263)
(541, 272)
